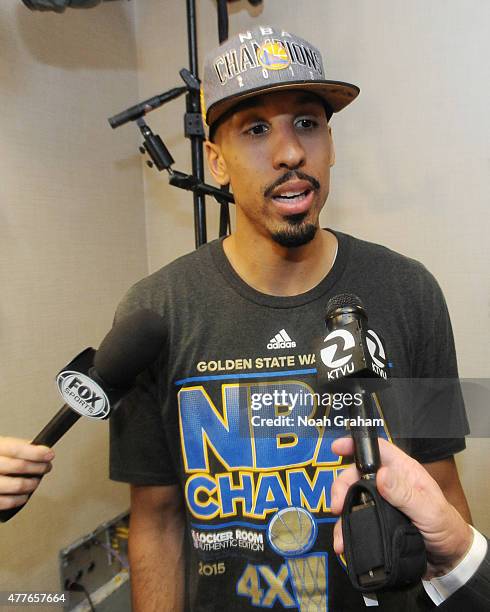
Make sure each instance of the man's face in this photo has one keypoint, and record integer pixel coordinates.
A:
(276, 151)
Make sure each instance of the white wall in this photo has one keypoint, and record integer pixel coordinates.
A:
(412, 151)
(72, 239)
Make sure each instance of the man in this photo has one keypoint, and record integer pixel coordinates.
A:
(209, 438)
(244, 317)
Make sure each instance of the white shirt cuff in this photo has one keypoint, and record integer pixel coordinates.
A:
(442, 587)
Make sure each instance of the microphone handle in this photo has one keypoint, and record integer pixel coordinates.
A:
(366, 447)
(62, 421)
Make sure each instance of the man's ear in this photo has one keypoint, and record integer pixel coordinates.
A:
(216, 163)
(332, 146)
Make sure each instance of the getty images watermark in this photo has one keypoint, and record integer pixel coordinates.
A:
(427, 408)
(335, 401)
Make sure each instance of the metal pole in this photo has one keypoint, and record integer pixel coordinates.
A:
(223, 26)
(193, 105)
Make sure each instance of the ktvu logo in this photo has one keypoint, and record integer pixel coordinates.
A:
(83, 395)
(338, 341)
(377, 352)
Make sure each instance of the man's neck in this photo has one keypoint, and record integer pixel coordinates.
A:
(275, 270)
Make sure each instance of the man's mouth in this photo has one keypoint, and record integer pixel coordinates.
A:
(292, 197)
(292, 185)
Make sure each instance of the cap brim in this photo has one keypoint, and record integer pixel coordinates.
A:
(336, 93)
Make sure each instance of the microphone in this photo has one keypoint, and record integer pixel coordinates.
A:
(142, 108)
(382, 548)
(94, 382)
(354, 360)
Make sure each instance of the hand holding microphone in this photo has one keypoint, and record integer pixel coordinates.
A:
(92, 385)
(383, 549)
(407, 485)
(17, 458)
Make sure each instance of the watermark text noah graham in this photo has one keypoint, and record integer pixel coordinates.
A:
(286, 402)
(307, 421)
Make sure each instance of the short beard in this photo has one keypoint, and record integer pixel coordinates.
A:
(296, 234)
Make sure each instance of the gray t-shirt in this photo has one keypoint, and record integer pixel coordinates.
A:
(235, 356)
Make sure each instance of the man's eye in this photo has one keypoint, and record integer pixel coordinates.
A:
(306, 123)
(257, 129)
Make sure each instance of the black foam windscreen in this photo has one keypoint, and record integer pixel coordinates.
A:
(130, 347)
(341, 300)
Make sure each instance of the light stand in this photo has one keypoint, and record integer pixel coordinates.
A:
(154, 146)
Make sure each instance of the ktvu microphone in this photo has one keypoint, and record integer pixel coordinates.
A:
(383, 549)
(353, 359)
(94, 382)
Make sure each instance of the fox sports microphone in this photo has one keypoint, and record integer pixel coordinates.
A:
(353, 360)
(94, 382)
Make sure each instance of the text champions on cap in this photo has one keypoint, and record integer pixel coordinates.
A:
(273, 53)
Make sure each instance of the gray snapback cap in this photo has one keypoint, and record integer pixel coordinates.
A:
(261, 59)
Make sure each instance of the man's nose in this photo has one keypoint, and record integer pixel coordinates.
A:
(288, 151)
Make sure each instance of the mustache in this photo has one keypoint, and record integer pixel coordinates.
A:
(288, 177)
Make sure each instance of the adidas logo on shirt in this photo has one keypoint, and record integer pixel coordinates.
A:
(281, 340)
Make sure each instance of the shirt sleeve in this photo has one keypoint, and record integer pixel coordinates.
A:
(440, 422)
(441, 588)
(139, 452)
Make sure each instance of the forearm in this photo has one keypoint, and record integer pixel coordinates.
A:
(156, 557)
